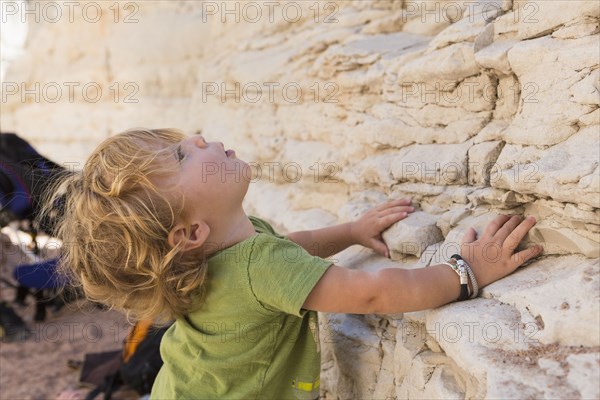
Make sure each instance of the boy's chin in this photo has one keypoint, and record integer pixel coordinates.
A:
(246, 170)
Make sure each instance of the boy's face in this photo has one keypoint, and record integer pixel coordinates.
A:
(212, 181)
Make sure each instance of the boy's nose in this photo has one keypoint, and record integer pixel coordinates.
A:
(200, 142)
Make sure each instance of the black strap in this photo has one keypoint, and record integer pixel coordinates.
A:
(92, 395)
(464, 292)
(108, 387)
(464, 287)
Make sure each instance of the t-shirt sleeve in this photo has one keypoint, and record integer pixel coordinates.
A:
(282, 274)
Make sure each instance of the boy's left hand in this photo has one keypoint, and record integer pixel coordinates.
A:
(367, 229)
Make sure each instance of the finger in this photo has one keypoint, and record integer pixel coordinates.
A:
(525, 255)
(470, 236)
(392, 203)
(494, 225)
(507, 228)
(392, 218)
(379, 247)
(402, 201)
(396, 209)
(515, 237)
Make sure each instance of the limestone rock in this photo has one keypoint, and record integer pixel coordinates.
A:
(564, 241)
(440, 164)
(548, 120)
(505, 27)
(580, 27)
(314, 161)
(527, 170)
(492, 131)
(307, 195)
(419, 24)
(580, 371)
(372, 170)
(482, 158)
(389, 24)
(413, 234)
(417, 190)
(356, 351)
(384, 133)
(507, 103)
(587, 90)
(497, 198)
(541, 17)
(465, 30)
(592, 118)
(447, 65)
(360, 52)
(451, 218)
(432, 124)
(495, 56)
(554, 307)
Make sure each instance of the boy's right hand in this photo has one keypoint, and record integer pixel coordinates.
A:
(492, 257)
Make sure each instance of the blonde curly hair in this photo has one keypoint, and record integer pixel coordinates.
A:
(116, 224)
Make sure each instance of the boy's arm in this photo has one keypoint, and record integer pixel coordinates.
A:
(326, 241)
(365, 231)
(387, 291)
(396, 290)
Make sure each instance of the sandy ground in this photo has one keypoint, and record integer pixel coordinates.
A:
(36, 368)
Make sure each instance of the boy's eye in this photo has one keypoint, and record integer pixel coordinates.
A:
(180, 155)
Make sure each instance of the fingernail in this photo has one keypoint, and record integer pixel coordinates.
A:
(403, 214)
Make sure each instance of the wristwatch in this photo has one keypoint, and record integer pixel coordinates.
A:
(460, 267)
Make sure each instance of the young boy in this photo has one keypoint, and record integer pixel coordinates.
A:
(156, 229)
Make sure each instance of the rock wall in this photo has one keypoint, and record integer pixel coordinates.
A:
(469, 108)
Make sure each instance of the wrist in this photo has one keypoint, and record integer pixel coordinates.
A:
(353, 235)
(472, 286)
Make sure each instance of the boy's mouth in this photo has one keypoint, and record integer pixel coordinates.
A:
(230, 153)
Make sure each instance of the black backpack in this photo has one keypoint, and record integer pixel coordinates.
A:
(25, 176)
(136, 366)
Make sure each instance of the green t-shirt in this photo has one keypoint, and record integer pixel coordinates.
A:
(251, 339)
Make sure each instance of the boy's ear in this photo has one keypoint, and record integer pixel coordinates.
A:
(194, 235)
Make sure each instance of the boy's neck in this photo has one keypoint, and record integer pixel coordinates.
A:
(231, 229)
